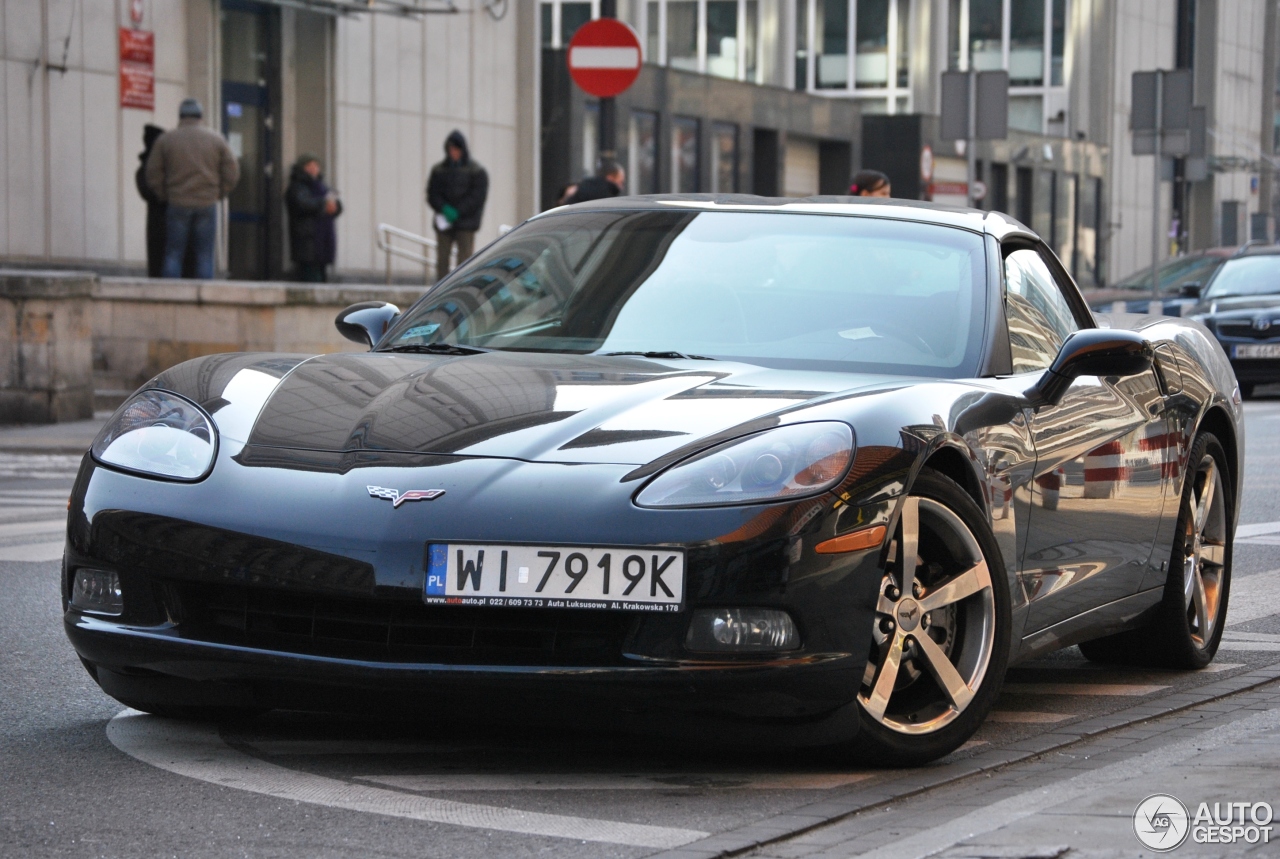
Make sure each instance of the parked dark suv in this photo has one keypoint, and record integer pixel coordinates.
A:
(1241, 306)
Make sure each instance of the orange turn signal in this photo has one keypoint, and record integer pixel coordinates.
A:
(867, 538)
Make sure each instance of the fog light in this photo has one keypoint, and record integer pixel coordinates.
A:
(742, 629)
(97, 591)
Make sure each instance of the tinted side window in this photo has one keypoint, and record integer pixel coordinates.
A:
(1038, 315)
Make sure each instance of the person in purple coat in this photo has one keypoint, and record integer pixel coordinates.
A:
(312, 206)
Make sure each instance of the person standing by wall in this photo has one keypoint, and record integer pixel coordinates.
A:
(609, 181)
(156, 207)
(312, 207)
(191, 168)
(456, 192)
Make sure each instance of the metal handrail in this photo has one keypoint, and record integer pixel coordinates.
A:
(386, 232)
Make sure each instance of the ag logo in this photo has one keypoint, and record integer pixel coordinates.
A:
(1161, 822)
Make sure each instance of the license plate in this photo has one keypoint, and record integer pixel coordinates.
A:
(601, 577)
(1259, 350)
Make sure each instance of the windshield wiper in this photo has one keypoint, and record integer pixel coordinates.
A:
(669, 355)
(437, 349)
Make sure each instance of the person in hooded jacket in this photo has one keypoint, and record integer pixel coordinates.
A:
(312, 206)
(456, 192)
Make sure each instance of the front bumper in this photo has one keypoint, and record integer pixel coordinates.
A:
(223, 611)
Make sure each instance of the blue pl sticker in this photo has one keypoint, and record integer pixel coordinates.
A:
(437, 568)
(234, 109)
(422, 330)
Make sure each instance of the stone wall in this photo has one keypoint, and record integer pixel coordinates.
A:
(45, 365)
(142, 326)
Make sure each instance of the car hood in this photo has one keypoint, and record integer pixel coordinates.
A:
(529, 406)
(1242, 305)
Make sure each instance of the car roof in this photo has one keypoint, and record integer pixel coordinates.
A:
(1259, 251)
(997, 224)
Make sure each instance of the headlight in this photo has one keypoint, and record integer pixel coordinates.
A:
(787, 462)
(158, 433)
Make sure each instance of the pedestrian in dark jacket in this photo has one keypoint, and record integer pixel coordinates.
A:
(608, 182)
(456, 192)
(312, 206)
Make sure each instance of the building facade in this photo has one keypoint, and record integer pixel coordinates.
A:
(372, 88)
(783, 97)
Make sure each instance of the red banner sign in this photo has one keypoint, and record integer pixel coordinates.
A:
(137, 69)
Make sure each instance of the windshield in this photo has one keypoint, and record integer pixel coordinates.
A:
(1256, 275)
(781, 290)
(1174, 274)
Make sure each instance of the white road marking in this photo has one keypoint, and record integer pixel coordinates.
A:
(1066, 792)
(1100, 689)
(33, 552)
(43, 526)
(1253, 597)
(198, 752)
(1257, 529)
(609, 781)
(1258, 642)
(1028, 717)
(320, 748)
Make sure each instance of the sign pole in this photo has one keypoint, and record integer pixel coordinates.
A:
(608, 143)
(1156, 305)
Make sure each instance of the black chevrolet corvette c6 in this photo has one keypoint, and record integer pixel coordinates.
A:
(822, 465)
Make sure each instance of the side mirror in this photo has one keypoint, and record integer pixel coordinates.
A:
(1190, 290)
(1092, 352)
(366, 322)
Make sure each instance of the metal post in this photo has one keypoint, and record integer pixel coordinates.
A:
(970, 155)
(1156, 305)
(608, 130)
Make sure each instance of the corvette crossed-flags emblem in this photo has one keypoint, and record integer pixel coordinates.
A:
(397, 498)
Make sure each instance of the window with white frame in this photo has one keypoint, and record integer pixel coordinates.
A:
(715, 37)
(1025, 37)
(562, 18)
(859, 47)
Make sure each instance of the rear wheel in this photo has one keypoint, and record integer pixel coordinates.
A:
(1189, 623)
(940, 641)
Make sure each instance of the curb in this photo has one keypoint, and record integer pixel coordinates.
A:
(913, 782)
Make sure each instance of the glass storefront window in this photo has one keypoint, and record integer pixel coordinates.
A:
(904, 43)
(652, 31)
(986, 34)
(572, 16)
(724, 158)
(802, 44)
(1026, 113)
(1057, 42)
(722, 38)
(873, 44)
(682, 35)
(684, 155)
(1026, 43)
(642, 153)
(831, 38)
(590, 138)
(547, 25)
(955, 13)
(751, 41)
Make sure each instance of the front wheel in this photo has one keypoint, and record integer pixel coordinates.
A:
(940, 641)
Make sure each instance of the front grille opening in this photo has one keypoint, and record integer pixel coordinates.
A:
(395, 630)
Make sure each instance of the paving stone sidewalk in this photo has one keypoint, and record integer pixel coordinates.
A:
(1079, 802)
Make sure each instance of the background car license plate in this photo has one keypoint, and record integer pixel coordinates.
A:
(1259, 350)
(617, 577)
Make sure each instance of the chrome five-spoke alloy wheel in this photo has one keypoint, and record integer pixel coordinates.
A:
(935, 623)
(1205, 545)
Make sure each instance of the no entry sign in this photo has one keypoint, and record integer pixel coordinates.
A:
(604, 57)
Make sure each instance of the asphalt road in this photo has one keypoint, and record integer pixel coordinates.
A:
(81, 777)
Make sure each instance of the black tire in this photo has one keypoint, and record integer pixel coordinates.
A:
(979, 624)
(195, 712)
(1171, 640)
